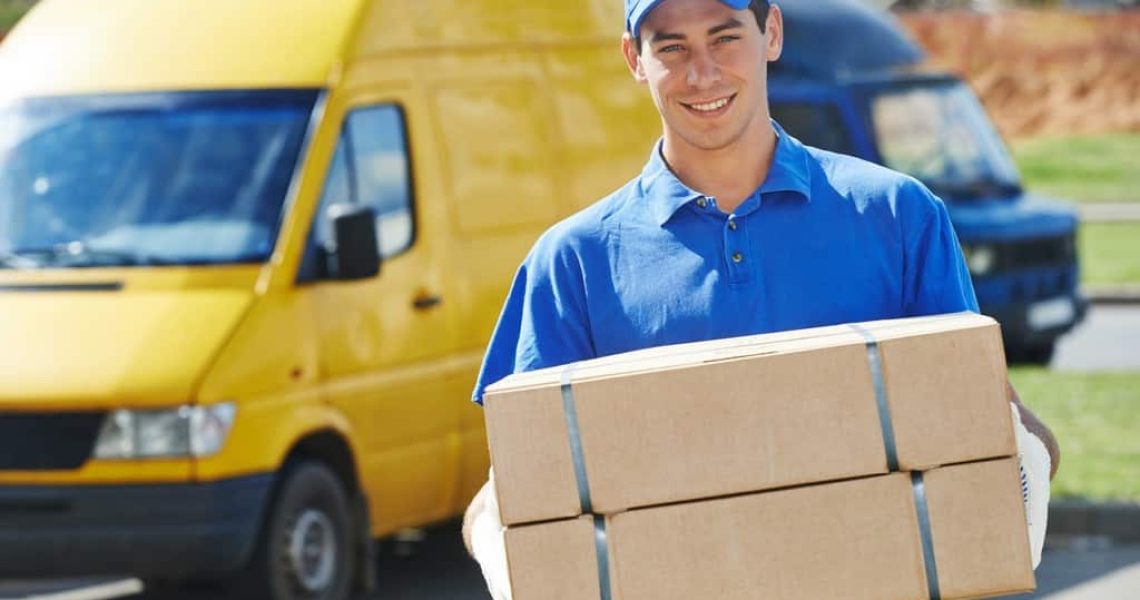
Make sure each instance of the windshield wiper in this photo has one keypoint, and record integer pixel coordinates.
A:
(76, 254)
(15, 260)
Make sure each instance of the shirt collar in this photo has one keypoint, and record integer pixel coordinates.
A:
(667, 194)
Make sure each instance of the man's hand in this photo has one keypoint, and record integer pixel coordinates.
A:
(1037, 428)
(483, 536)
(1034, 463)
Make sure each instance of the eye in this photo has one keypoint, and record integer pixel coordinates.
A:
(724, 39)
(671, 48)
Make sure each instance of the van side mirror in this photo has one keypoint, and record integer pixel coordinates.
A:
(354, 253)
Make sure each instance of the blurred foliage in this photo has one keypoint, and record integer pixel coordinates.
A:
(1095, 417)
(1110, 253)
(1096, 168)
(11, 11)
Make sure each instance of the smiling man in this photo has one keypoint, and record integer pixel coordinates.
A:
(733, 228)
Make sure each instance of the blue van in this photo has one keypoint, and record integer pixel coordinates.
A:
(851, 81)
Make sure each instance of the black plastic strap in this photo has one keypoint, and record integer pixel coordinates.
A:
(927, 535)
(875, 362)
(601, 544)
(571, 412)
(603, 551)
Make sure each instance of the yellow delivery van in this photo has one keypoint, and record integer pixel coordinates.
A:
(250, 255)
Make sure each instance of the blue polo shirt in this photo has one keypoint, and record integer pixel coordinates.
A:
(827, 239)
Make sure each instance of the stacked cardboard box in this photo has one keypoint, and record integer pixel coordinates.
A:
(869, 461)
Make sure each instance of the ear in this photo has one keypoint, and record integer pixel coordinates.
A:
(775, 33)
(632, 58)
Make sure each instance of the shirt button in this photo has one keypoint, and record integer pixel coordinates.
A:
(703, 203)
(732, 224)
(737, 257)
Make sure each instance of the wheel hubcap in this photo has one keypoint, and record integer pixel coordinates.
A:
(312, 550)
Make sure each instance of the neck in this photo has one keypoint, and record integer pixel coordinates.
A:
(730, 174)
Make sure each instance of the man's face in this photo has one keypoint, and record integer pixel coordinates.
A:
(707, 68)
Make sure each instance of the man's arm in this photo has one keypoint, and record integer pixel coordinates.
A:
(1037, 428)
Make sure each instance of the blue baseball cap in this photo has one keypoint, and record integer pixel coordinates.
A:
(636, 11)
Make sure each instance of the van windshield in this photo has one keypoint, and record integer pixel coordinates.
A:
(185, 178)
(939, 133)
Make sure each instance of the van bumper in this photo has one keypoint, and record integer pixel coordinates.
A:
(1019, 328)
(159, 530)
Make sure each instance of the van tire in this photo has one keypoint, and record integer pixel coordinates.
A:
(308, 547)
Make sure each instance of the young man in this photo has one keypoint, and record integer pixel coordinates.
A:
(733, 227)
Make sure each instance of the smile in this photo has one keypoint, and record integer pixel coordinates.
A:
(710, 107)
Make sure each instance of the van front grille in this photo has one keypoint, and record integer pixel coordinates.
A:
(47, 442)
(1040, 252)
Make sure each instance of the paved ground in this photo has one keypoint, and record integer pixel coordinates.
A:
(1092, 572)
(1109, 211)
(437, 569)
(1109, 339)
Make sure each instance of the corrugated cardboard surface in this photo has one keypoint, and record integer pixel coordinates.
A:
(741, 415)
(554, 561)
(856, 539)
(977, 517)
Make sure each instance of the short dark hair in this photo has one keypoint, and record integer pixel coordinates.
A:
(759, 8)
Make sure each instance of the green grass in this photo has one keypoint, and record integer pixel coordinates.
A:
(11, 11)
(1096, 418)
(1110, 253)
(1100, 168)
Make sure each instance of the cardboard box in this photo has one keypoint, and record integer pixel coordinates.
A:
(858, 539)
(734, 416)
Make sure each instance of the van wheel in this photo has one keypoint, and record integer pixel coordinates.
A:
(307, 549)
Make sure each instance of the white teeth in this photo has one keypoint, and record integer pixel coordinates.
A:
(710, 106)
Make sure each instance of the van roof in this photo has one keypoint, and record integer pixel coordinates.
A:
(66, 46)
(835, 39)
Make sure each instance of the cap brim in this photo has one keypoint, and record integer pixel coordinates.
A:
(641, 9)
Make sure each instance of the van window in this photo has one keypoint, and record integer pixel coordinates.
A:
(180, 178)
(818, 125)
(939, 133)
(371, 167)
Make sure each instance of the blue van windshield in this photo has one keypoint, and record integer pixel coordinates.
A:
(183, 178)
(939, 133)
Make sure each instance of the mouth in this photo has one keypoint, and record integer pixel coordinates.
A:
(711, 108)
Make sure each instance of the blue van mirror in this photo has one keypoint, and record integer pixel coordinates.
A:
(354, 252)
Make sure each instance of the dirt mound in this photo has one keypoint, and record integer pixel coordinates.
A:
(1043, 72)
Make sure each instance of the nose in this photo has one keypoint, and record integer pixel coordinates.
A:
(703, 72)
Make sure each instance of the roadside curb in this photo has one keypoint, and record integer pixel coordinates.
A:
(1118, 521)
(1113, 294)
(1108, 212)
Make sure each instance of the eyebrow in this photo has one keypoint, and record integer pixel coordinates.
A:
(661, 36)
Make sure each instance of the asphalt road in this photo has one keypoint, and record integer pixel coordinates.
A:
(1109, 339)
(437, 568)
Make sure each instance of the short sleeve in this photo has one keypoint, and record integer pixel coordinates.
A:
(543, 322)
(937, 280)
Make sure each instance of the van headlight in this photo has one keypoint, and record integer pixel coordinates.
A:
(186, 431)
(981, 259)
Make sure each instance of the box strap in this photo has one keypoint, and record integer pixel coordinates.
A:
(875, 362)
(601, 544)
(927, 536)
(571, 412)
(601, 539)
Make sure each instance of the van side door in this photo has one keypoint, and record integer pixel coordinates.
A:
(387, 342)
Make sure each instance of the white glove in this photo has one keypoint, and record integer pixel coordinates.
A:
(488, 546)
(1035, 468)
